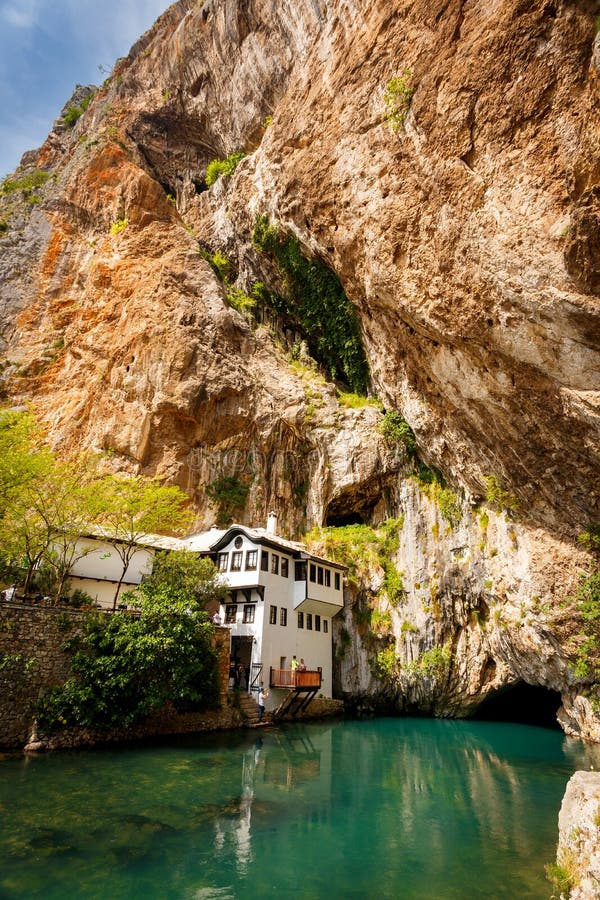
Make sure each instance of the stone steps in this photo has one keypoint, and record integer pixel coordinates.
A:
(249, 709)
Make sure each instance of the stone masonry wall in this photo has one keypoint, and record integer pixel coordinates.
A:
(34, 637)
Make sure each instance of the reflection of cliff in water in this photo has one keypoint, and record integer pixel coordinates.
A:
(388, 808)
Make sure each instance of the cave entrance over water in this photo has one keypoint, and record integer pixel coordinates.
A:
(526, 704)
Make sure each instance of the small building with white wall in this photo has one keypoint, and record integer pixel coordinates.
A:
(280, 603)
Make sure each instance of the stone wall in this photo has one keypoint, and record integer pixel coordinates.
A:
(34, 637)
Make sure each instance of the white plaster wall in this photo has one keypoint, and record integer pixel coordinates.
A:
(103, 563)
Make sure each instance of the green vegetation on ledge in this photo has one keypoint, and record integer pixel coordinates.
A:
(223, 167)
(396, 98)
(363, 549)
(315, 301)
(587, 664)
(229, 495)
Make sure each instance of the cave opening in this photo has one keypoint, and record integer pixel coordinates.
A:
(526, 704)
(341, 519)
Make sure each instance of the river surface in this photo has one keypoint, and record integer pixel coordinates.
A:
(398, 808)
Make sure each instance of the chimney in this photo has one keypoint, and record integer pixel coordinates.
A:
(272, 523)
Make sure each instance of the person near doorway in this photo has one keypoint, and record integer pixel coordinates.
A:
(262, 696)
(294, 668)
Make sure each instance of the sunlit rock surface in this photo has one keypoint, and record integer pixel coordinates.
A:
(467, 241)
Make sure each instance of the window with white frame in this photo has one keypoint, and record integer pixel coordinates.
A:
(274, 564)
(249, 609)
(283, 616)
(325, 626)
(317, 623)
(236, 561)
(300, 620)
(309, 621)
(320, 575)
(273, 615)
(222, 561)
(285, 567)
(251, 560)
(230, 613)
(327, 578)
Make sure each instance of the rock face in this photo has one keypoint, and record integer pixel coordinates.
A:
(579, 840)
(466, 240)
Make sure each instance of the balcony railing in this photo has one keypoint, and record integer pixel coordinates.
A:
(293, 678)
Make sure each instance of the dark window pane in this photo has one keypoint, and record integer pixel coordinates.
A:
(300, 571)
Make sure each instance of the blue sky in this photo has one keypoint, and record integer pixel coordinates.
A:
(49, 46)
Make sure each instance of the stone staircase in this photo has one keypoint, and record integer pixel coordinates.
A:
(249, 709)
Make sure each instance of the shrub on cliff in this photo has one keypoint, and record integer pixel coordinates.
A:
(316, 304)
(588, 649)
(223, 167)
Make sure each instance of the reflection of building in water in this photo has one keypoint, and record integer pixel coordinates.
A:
(297, 760)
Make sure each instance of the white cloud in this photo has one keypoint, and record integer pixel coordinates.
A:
(23, 14)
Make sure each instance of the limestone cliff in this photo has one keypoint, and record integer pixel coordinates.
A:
(443, 160)
(577, 874)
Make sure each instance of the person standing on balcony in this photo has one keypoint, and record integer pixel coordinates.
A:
(294, 668)
(302, 666)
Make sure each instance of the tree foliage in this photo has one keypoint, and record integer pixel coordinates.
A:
(125, 667)
(48, 504)
(133, 507)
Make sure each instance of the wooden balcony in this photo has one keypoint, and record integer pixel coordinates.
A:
(310, 680)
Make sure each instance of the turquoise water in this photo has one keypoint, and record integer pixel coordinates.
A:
(402, 808)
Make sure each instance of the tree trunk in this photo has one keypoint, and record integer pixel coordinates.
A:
(116, 597)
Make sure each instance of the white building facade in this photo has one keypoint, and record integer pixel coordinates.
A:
(281, 604)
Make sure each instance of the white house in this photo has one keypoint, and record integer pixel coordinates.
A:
(99, 567)
(280, 603)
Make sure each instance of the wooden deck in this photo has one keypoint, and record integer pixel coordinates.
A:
(293, 680)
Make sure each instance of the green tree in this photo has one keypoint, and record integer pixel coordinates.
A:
(22, 459)
(125, 667)
(45, 518)
(184, 579)
(138, 506)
